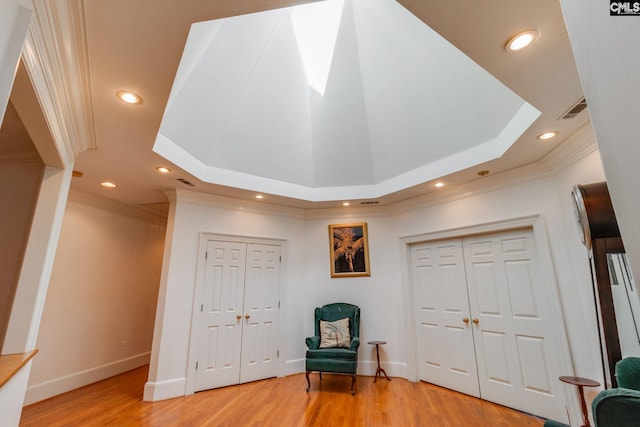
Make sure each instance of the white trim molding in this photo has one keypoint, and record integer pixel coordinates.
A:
(62, 78)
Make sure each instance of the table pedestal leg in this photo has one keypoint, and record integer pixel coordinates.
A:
(585, 414)
(379, 370)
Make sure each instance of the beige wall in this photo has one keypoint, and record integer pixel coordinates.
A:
(19, 186)
(100, 307)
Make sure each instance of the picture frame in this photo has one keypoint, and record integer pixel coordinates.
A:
(349, 250)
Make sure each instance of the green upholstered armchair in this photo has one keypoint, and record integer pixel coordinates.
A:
(334, 359)
(620, 407)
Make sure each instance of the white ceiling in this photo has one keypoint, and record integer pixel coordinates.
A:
(138, 45)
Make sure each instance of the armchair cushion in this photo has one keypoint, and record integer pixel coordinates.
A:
(332, 353)
(335, 334)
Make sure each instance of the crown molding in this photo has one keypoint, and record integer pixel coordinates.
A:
(230, 203)
(61, 77)
(132, 211)
(577, 146)
(12, 157)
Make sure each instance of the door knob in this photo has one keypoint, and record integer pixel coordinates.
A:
(246, 316)
(476, 321)
(465, 320)
(238, 317)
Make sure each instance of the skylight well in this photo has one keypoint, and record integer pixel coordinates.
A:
(316, 28)
(364, 109)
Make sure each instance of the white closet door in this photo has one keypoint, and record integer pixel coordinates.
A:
(262, 283)
(445, 341)
(220, 320)
(506, 353)
(514, 342)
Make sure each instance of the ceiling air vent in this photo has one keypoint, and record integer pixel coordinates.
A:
(375, 202)
(575, 109)
(185, 182)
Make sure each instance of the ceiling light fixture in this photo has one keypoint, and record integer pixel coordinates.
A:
(547, 135)
(439, 184)
(162, 169)
(108, 184)
(521, 40)
(484, 173)
(129, 97)
(259, 196)
(345, 203)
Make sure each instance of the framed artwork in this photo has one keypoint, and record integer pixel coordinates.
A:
(349, 248)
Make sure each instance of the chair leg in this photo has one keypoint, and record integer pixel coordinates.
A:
(353, 385)
(308, 382)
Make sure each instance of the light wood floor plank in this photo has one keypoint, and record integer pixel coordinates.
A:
(276, 402)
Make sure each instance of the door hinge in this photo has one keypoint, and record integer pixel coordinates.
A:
(201, 308)
(280, 258)
(196, 365)
(278, 304)
(278, 354)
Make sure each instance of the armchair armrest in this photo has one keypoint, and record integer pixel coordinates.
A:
(355, 343)
(313, 343)
(619, 407)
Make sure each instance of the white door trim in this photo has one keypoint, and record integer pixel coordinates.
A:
(537, 223)
(197, 300)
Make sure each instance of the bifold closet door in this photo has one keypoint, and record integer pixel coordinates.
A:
(483, 327)
(445, 338)
(238, 315)
(515, 350)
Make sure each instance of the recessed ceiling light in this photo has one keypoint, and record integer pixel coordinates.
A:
(162, 169)
(484, 173)
(547, 135)
(77, 174)
(345, 203)
(129, 97)
(108, 184)
(439, 184)
(259, 196)
(521, 40)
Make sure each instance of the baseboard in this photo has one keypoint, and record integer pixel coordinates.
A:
(162, 390)
(47, 389)
(295, 366)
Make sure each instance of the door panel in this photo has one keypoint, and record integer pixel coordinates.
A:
(445, 344)
(259, 350)
(512, 351)
(220, 336)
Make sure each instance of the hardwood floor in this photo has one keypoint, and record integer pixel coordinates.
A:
(275, 402)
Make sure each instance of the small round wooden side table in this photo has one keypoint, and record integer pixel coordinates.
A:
(379, 370)
(581, 382)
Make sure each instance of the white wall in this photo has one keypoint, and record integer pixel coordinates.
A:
(378, 296)
(100, 307)
(607, 55)
(307, 281)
